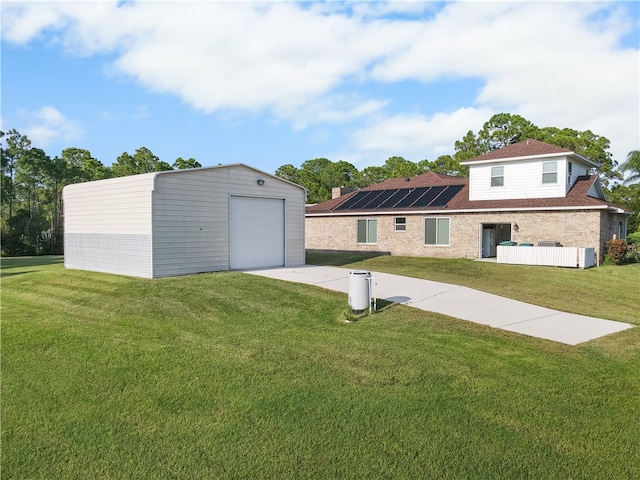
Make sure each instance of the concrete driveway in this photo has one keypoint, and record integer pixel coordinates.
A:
(460, 302)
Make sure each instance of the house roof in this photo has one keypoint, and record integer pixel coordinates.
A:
(524, 149)
(577, 198)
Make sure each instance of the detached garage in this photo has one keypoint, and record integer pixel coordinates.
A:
(184, 221)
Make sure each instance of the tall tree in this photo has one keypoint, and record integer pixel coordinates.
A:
(310, 177)
(503, 129)
(18, 146)
(82, 167)
(289, 172)
(631, 164)
(445, 164)
(182, 164)
(627, 196)
(399, 167)
(372, 175)
(142, 161)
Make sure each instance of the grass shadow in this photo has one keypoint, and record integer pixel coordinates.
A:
(12, 266)
(339, 258)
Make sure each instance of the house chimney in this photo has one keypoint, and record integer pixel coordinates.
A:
(339, 191)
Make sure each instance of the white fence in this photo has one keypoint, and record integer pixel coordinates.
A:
(549, 256)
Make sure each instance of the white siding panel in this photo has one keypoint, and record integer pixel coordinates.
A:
(522, 179)
(121, 254)
(113, 206)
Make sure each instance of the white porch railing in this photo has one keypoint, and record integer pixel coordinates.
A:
(549, 256)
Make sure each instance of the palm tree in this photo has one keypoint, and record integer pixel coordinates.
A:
(632, 163)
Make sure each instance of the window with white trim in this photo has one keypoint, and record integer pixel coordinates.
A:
(400, 224)
(367, 230)
(436, 231)
(550, 172)
(497, 176)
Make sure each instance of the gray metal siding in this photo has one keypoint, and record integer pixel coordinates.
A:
(191, 217)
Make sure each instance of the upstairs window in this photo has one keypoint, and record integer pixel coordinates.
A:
(367, 231)
(569, 173)
(400, 224)
(550, 172)
(497, 176)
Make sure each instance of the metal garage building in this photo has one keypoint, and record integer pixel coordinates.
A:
(184, 221)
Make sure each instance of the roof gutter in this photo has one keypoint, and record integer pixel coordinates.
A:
(478, 210)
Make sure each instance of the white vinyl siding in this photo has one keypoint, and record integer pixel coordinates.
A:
(108, 226)
(550, 172)
(522, 180)
(497, 176)
(367, 231)
(436, 231)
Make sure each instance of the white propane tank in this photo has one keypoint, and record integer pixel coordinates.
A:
(359, 295)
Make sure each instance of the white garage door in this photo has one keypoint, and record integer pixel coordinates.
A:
(256, 232)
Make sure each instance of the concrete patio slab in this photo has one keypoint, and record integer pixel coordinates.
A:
(460, 302)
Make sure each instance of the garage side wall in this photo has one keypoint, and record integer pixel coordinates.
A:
(191, 217)
(107, 226)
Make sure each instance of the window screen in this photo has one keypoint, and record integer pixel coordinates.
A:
(436, 231)
(550, 172)
(367, 231)
(497, 176)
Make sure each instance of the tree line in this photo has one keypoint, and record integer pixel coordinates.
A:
(32, 183)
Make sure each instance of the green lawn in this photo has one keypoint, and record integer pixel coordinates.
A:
(228, 375)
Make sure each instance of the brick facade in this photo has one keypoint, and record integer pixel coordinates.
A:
(572, 228)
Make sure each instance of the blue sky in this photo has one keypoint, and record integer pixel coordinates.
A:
(271, 83)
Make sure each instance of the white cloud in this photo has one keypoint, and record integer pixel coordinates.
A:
(555, 63)
(48, 125)
(412, 136)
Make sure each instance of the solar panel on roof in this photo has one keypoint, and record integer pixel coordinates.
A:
(351, 200)
(395, 198)
(446, 196)
(411, 198)
(369, 195)
(428, 197)
(376, 202)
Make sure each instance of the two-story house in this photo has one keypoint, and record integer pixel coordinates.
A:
(529, 192)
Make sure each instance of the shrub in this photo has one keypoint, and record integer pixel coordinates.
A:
(633, 248)
(616, 250)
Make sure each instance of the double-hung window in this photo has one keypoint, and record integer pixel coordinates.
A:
(436, 231)
(400, 224)
(367, 230)
(497, 176)
(569, 172)
(550, 172)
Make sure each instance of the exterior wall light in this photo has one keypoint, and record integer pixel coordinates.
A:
(260, 181)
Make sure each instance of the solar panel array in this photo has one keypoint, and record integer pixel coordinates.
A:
(422, 197)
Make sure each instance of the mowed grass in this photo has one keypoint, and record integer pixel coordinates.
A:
(229, 375)
(611, 292)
